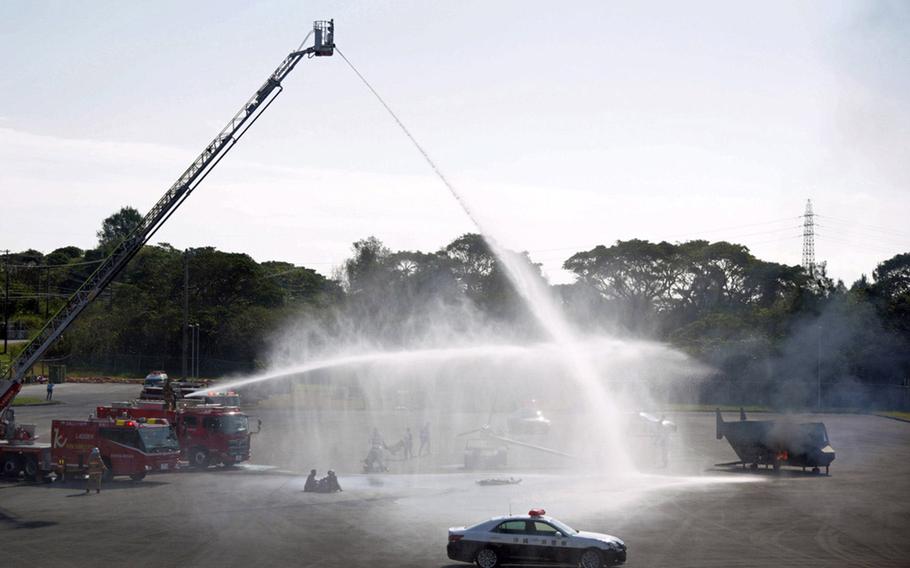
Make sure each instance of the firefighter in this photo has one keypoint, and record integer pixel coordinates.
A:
(331, 482)
(96, 469)
(8, 424)
(424, 439)
(311, 483)
(408, 444)
(376, 440)
(663, 442)
(170, 397)
(374, 460)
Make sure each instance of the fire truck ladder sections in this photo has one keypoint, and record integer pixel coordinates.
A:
(172, 199)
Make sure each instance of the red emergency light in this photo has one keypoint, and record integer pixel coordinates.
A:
(537, 512)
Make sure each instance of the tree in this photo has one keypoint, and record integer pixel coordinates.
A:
(118, 226)
(892, 277)
(891, 292)
(636, 276)
(367, 267)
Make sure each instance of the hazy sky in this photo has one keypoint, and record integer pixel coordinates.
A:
(565, 124)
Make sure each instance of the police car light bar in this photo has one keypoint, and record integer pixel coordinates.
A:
(536, 513)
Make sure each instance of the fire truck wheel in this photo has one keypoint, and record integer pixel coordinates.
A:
(11, 466)
(199, 458)
(31, 468)
(138, 476)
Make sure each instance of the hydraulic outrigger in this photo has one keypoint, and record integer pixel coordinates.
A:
(323, 45)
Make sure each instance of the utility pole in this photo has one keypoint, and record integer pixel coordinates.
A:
(47, 291)
(194, 349)
(196, 346)
(186, 305)
(6, 301)
(818, 368)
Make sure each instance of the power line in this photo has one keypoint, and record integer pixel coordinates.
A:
(865, 233)
(42, 266)
(742, 226)
(880, 228)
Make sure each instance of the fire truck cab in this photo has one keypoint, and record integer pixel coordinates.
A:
(209, 434)
(128, 447)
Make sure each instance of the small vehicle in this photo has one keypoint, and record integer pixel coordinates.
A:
(528, 420)
(534, 538)
(481, 453)
(155, 379)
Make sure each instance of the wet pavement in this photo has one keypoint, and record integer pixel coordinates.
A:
(694, 514)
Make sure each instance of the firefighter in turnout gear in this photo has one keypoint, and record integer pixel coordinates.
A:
(170, 396)
(96, 470)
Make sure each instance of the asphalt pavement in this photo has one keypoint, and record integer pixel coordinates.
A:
(693, 514)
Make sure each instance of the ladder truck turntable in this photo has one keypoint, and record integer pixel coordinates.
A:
(18, 449)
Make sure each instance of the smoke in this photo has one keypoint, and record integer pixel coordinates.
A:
(840, 357)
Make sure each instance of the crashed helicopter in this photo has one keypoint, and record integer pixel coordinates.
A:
(776, 443)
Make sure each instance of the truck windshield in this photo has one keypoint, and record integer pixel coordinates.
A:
(234, 423)
(159, 439)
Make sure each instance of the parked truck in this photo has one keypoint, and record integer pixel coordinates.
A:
(128, 447)
(209, 434)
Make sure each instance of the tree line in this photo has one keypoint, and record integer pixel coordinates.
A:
(761, 322)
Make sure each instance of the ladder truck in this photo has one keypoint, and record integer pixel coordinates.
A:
(323, 34)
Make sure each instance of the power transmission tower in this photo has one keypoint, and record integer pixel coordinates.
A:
(809, 239)
(6, 301)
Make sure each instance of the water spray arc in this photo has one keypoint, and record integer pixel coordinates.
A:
(543, 308)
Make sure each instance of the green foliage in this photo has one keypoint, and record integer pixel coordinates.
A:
(744, 316)
(117, 227)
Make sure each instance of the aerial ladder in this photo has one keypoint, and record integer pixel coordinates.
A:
(323, 34)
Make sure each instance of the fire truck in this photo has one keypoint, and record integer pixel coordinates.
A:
(128, 447)
(209, 434)
(21, 453)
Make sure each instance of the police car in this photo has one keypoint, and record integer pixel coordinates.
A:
(533, 538)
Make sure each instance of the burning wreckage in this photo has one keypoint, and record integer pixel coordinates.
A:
(776, 443)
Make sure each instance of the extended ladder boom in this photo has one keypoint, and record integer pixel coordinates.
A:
(323, 45)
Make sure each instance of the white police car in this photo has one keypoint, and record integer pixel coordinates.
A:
(532, 538)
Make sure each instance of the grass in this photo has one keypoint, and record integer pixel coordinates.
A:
(31, 401)
(80, 372)
(895, 414)
(713, 407)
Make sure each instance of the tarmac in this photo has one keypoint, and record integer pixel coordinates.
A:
(691, 514)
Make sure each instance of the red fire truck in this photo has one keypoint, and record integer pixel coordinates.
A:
(209, 434)
(19, 452)
(128, 447)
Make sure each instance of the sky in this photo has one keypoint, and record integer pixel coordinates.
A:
(564, 125)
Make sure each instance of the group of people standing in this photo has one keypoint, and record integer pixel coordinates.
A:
(375, 461)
